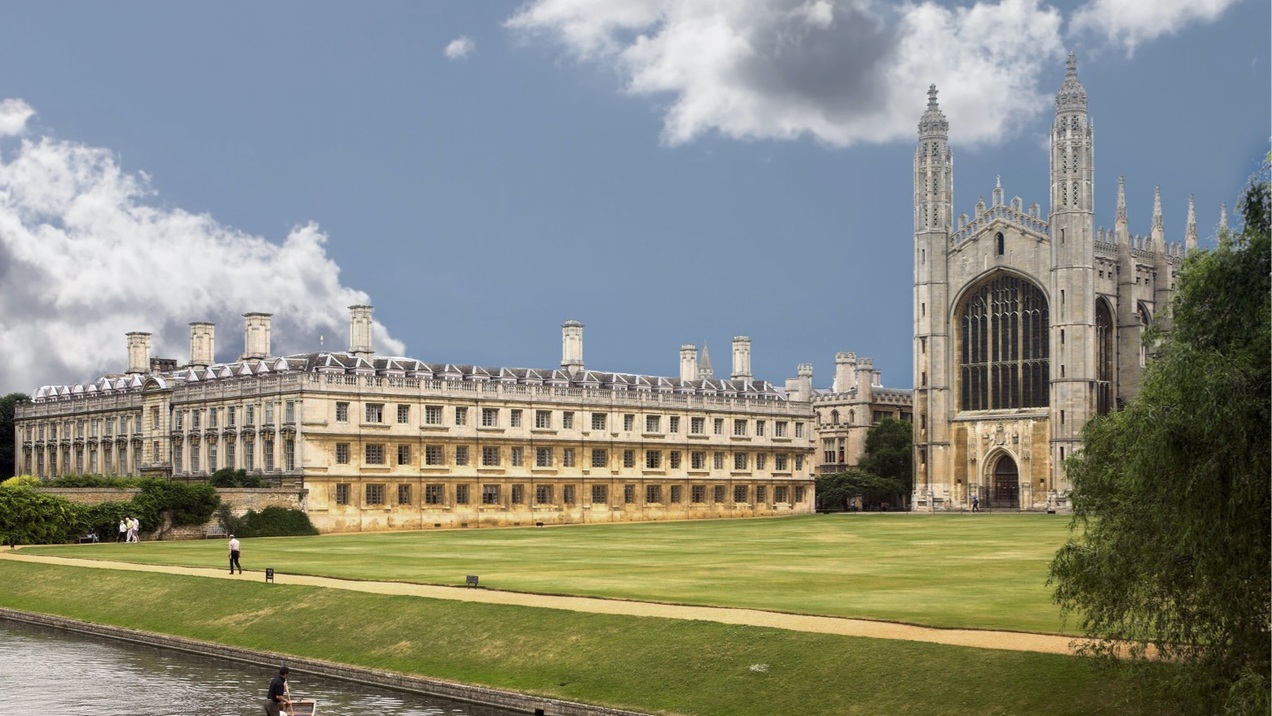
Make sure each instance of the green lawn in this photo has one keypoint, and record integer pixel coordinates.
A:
(652, 665)
(976, 571)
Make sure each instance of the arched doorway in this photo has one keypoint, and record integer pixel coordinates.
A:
(1005, 490)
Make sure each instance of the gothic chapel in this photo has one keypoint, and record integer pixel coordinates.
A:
(1025, 325)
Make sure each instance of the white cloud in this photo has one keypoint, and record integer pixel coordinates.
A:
(1132, 22)
(14, 114)
(84, 259)
(459, 48)
(840, 71)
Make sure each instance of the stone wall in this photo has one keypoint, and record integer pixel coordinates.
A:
(239, 499)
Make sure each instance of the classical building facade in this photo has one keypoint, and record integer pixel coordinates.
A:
(856, 402)
(1025, 326)
(395, 443)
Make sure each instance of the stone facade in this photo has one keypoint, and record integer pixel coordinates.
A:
(856, 402)
(1025, 326)
(395, 443)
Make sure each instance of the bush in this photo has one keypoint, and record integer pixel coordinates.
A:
(272, 522)
(187, 504)
(93, 481)
(229, 477)
(104, 518)
(20, 481)
(30, 517)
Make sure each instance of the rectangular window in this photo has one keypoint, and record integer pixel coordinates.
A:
(518, 494)
(542, 494)
(404, 454)
(461, 416)
(461, 494)
(697, 461)
(249, 414)
(759, 428)
(267, 455)
(697, 426)
(489, 494)
(629, 422)
(375, 454)
(374, 412)
(403, 414)
(194, 421)
(653, 459)
(600, 494)
(779, 462)
(543, 457)
(760, 494)
(518, 456)
(432, 454)
(289, 455)
(598, 421)
(717, 426)
(543, 419)
(289, 413)
(567, 457)
(653, 495)
(404, 494)
(342, 493)
(739, 427)
(673, 424)
(653, 423)
(759, 462)
(799, 429)
(229, 417)
(514, 417)
(269, 413)
(433, 494)
(799, 494)
(739, 461)
(717, 494)
(432, 415)
(677, 494)
(629, 458)
(342, 413)
(673, 459)
(799, 462)
(178, 419)
(629, 494)
(194, 459)
(779, 429)
(780, 493)
(375, 494)
(600, 457)
(698, 494)
(717, 461)
(178, 465)
(461, 454)
(489, 456)
(249, 456)
(212, 418)
(567, 421)
(489, 417)
(567, 494)
(739, 494)
(229, 457)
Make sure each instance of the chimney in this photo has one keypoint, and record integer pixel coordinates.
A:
(867, 379)
(360, 332)
(138, 352)
(845, 372)
(572, 346)
(688, 362)
(202, 345)
(741, 358)
(256, 336)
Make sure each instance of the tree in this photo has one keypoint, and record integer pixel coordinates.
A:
(839, 490)
(890, 452)
(9, 448)
(1170, 545)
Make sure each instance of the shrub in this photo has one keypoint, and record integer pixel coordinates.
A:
(30, 517)
(229, 477)
(21, 480)
(93, 481)
(187, 504)
(273, 522)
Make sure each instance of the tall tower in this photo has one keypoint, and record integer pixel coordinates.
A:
(360, 331)
(1072, 283)
(572, 346)
(933, 203)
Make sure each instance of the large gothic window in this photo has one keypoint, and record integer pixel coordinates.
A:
(1003, 346)
(1103, 358)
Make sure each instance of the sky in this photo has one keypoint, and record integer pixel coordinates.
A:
(668, 172)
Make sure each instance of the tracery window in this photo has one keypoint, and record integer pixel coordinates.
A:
(1003, 346)
(1103, 358)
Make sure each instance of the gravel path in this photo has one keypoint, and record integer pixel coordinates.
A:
(981, 639)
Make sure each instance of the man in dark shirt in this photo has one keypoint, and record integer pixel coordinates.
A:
(277, 697)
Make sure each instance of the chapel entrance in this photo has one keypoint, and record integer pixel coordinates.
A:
(1006, 484)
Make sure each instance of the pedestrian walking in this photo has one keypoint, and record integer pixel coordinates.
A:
(975, 503)
(123, 530)
(234, 555)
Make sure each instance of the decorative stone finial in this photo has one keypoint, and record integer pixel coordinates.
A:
(1072, 96)
(1190, 232)
(932, 97)
(933, 121)
(1157, 208)
(1120, 217)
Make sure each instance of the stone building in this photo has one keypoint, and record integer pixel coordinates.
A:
(396, 443)
(856, 402)
(1025, 326)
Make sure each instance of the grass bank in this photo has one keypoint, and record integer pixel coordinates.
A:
(984, 571)
(654, 665)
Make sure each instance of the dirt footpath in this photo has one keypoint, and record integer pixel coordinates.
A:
(981, 639)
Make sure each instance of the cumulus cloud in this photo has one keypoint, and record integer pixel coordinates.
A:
(14, 114)
(85, 258)
(459, 48)
(840, 71)
(1131, 22)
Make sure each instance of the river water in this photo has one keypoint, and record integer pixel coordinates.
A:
(49, 672)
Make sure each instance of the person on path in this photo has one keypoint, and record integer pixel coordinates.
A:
(136, 530)
(234, 555)
(123, 531)
(975, 503)
(277, 696)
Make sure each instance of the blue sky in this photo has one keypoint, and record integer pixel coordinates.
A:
(666, 172)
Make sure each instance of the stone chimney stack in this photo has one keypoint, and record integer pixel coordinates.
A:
(202, 344)
(572, 346)
(256, 336)
(845, 372)
(138, 352)
(360, 332)
(741, 358)
(688, 362)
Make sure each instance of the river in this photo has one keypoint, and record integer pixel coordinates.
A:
(49, 672)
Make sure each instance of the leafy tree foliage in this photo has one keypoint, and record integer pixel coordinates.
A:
(30, 517)
(840, 490)
(1172, 535)
(8, 448)
(890, 452)
(229, 477)
(273, 522)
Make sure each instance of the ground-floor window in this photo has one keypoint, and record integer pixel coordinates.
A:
(780, 493)
(433, 494)
(342, 493)
(698, 494)
(760, 494)
(600, 494)
(461, 494)
(739, 494)
(542, 494)
(375, 494)
(567, 494)
(717, 494)
(518, 494)
(677, 494)
(799, 494)
(489, 494)
(653, 494)
(404, 494)
(629, 494)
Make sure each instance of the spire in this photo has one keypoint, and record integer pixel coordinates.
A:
(1190, 233)
(1119, 221)
(1158, 225)
(933, 121)
(998, 191)
(704, 365)
(1071, 96)
(1223, 218)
